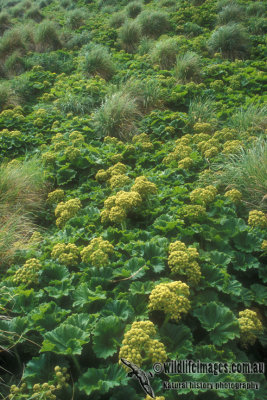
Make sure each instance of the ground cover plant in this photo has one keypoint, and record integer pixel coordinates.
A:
(133, 197)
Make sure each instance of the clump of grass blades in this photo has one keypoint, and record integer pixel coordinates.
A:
(134, 8)
(129, 36)
(231, 40)
(13, 39)
(230, 13)
(117, 116)
(7, 96)
(245, 171)
(98, 61)
(77, 104)
(21, 196)
(117, 19)
(147, 94)
(46, 37)
(75, 18)
(252, 118)
(35, 14)
(164, 53)
(188, 67)
(202, 110)
(256, 9)
(153, 23)
(5, 22)
(14, 64)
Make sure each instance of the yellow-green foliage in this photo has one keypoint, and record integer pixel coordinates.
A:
(203, 127)
(257, 219)
(56, 196)
(138, 344)
(116, 207)
(28, 273)
(180, 152)
(172, 298)
(182, 260)
(97, 252)
(144, 187)
(67, 254)
(44, 391)
(203, 196)
(114, 175)
(234, 195)
(192, 212)
(250, 326)
(67, 210)
(143, 141)
(231, 146)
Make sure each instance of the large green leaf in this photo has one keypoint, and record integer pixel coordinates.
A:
(83, 295)
(141, 287)
(119, 308)
(260, 293)
(102, 380)
(107, 335)
(65, 175)
(65, 339)
(247, 242)
(219, 321)
(178, 339)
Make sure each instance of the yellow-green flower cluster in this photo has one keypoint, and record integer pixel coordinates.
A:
(76, 138)
(209, 148)
(97, 252)
(234, 195)
(250, 326)
(144, 187)
(49, 157)
(182, 260)
(43, 391)
(184, 140)
(156, 398)
(116, 158)
(67, 254)
(257, 219)
(225, 134)
(67, 210)
(12, 134)
(217, 85)
(55, 196)
(28, 273)
(115, 175)
(172, 298)
(180, 152)
(143, 141)
(117, 207)
(192, 212)
(203, 196)
(231, 146)
(185, 163)
(35, 238)
(203, 127)
(138, 344)
(72, 153)
(264, 245)
(201, 137)
(14, 114)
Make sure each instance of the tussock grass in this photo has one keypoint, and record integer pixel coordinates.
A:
(202, 109)
(98, 61)
(252, 118)
(46, 37)
(129, 36)
(231, 40)
(247, 172)
(230, 13)
(153, 23)
(117, 116)
(188, 67)
(21, 196)
(134, 8)
(164, 53)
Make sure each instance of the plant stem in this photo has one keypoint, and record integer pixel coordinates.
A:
(75, 361)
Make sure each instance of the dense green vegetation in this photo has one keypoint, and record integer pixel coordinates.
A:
(133, 195)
